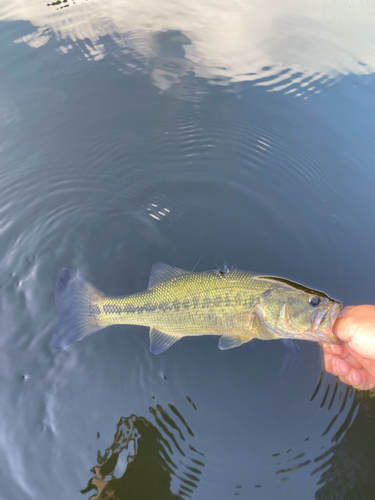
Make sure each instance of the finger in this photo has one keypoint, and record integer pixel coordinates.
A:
(336, 350)
(327, 360)
(357, 328)
(343, 367)
(359, 379)
(367, 364)
(345, 380)
(339, 350)
(355, 381)
(333, 349)
(347, 321)
(356, 378)
(343, 352)
(340, 367)
(353, 361)
(341, 328)
(332, 366)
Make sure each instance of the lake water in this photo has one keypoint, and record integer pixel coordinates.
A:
(200, 134)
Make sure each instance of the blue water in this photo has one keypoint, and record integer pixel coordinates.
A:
(200, 135)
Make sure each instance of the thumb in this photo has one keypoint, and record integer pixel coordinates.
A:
(357, 327)
(340, 327)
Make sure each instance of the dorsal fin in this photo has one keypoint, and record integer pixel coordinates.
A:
(161, 272)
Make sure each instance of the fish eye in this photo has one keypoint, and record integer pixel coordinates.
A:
(314, 300)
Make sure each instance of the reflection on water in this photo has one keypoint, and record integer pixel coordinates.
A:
(348, 468)
(345, 466)
(298, 47)
(341, 402)
(146, 457)
(156, 457)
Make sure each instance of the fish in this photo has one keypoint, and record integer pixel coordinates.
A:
(237, 305)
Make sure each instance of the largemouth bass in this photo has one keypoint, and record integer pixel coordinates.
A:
(237, 305)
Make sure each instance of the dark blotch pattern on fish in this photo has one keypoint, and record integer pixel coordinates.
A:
(206, 302)
(218, 301)
(94, 310)
(112, 309)
(227, 300)
(130, 308)
(238, 299)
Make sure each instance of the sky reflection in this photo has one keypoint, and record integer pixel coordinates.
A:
(288, 46)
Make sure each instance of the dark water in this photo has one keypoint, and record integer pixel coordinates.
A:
(236, 134)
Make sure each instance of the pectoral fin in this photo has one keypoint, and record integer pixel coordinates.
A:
(230, 341)
(159, 341)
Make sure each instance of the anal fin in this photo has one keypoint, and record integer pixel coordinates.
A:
(160, 342)
(230, 341)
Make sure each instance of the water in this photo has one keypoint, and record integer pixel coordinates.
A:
(197, 134)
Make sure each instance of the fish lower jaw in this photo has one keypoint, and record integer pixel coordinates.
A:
(284, 329)
(311, 335)
(321, 336)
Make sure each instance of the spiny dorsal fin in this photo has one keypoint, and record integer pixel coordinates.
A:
(161, 272)
(159, 341)
(230, 341)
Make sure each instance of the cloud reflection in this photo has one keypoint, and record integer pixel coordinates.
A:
(293, 47)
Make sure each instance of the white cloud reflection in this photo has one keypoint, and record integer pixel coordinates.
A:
(286, 45)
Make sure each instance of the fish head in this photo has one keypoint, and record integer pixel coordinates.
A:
(291, 310)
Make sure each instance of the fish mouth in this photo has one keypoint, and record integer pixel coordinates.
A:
(335, 309)
(323, 322)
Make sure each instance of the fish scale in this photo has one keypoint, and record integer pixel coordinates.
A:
(196, 303)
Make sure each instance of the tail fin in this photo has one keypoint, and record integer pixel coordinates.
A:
(74, 295)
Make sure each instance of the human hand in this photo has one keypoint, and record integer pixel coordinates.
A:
(353, 361)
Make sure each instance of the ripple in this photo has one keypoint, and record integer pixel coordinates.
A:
(149, 458)
(334, 398)
(296, 48)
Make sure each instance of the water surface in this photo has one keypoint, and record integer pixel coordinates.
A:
(200, 135)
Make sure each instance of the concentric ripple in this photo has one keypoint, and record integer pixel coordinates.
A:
(160, 448)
